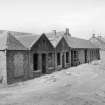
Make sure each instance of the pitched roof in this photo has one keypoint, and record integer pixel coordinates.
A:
(73, 42)
(9, 42)
(98, 41)
(28, 40)
(54, 39)
(79, 43)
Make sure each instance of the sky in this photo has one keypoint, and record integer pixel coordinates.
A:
(82, 17)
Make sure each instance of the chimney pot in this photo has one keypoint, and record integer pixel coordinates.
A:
(67, 32)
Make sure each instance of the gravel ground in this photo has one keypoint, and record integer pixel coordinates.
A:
(82, 85)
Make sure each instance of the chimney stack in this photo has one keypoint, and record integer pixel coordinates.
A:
(67, 32)
(54, 31)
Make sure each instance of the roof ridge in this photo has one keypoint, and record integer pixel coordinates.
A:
(34, 41)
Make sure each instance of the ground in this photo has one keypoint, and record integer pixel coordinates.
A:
(81, 85)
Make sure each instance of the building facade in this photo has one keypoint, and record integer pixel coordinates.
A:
(26, 56)
(99, 41)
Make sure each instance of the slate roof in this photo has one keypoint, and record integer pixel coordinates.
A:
(98, 41)
(28, 40)
(9, 42)
(79, 43)
(22, 41)
(54, 39)
(73, 42)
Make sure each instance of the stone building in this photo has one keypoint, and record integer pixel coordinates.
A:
(24, 56)
(99, 41)
(62, 50)
(13, 60)
(82, 51)
(41, 53)
(77, 51)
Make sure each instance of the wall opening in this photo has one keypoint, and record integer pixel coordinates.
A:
(58, 59)
(43, 63)
(63, 61)
(86, 58)
(35, 61)
(67, 57)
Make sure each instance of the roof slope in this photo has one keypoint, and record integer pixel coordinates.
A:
(54, 39)
(73, 42)
(78, 43)
(9, 42)
(28, 40)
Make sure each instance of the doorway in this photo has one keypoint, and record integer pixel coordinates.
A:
(72, 58)
(43, 63)
(86, 56)
(35, 61)
(63, 61)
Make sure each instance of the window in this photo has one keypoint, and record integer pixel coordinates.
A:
(50, 60)
(67, 57)
(58, 59)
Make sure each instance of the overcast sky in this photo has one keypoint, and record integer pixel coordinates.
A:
(82, 17)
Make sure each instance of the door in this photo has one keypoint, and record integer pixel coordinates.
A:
(35, 61)
(43, 63)
(86, 56)
(63, 61)
(72, 62)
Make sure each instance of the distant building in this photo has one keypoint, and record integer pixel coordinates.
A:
(25, 56)
(80, 50)
(99, 41)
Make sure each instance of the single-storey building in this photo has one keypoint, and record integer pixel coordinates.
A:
(82, 51)
(78, 50)
(62, 50)
(41, 53)
(13, 59)
(99, 41)
(25, 56)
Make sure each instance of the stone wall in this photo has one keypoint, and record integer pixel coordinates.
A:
(3, 73)
(62, 48)
(18, 68)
